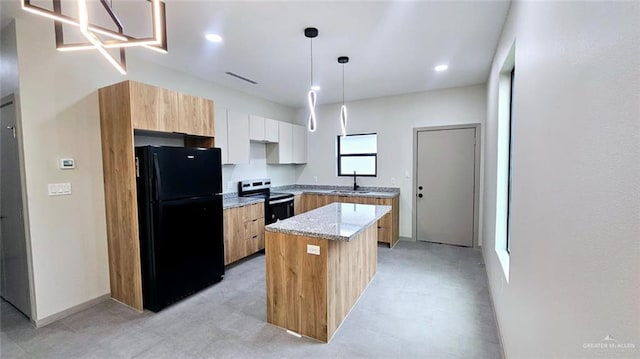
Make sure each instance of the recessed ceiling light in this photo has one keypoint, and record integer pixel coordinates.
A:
(213, 37)
(440, 68)
(315, 88)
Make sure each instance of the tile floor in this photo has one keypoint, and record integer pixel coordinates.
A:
(426, 301)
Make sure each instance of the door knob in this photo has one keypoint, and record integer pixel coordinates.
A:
(420, 195)
(13, 129)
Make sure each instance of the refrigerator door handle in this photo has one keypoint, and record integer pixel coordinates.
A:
(157, 184)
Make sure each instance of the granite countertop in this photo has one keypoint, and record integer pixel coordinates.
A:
(376, 192)
(335, 221)
(232, 201)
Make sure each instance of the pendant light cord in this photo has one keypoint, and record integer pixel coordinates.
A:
(343, 84)
(311, 44)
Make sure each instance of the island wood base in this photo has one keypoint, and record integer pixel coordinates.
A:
(312, 294)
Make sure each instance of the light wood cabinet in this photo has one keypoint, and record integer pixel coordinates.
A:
(195, 115)
(238, 137)
(158, 109)
(153, 108)
(297, 204)
(125, 107)
(243, 231)
(388, 226)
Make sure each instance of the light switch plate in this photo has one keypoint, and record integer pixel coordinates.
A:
(312, 249)
(59, 189)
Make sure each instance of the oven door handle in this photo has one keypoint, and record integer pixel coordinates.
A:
(281, 201)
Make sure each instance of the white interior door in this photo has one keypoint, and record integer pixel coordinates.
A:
(445, 186)
(13, 246)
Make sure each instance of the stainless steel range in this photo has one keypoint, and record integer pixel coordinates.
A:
(276, 205)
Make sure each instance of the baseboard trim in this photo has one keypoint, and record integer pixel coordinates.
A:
(69, 311)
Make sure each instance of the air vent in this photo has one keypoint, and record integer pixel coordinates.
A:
(241, 77)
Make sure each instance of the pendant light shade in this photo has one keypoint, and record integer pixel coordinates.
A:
(343, 109)
(311, 33)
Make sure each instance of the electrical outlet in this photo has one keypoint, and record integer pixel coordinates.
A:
(311, 249)
(315, 179)
(229, 184)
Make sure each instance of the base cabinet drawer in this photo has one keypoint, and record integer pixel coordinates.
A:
(243, 232)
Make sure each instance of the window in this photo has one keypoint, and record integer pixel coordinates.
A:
(508, 239)
(505, 162)
(359, 154)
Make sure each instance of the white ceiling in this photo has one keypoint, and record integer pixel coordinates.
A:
(392, 45)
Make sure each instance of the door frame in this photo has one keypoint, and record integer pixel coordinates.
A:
(476, 171)
(15, 98)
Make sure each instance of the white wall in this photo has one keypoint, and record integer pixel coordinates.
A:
(575, 242)
(393, 119)
(60, 118)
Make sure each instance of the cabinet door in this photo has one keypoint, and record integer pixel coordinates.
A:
(153, 108)
(256, 128)
(285, 143)
(308, 202)
(299, 144)
(221, 133)
(195, 115)
(271, 130)
(298, 205)
(234, 234)
(238, 137)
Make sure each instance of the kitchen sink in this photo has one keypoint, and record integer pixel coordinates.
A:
(349, 192)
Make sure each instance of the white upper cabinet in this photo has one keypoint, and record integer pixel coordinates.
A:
(299, 144)
(221, 132)
(256, 128)
(291, 146)
(271, 130)
(263, 129)
(238, 137)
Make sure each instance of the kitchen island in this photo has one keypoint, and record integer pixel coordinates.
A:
(318, 264)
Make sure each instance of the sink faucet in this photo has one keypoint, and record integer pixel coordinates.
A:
(355, 186)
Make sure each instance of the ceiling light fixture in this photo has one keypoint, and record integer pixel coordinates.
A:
(441, 68)
(311, 33)
(214, 38)
(343, 109)
(117, 39)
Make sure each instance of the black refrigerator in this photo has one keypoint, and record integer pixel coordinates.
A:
(180, 221)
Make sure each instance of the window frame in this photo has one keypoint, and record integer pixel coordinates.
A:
(374, 155)
(510, 161)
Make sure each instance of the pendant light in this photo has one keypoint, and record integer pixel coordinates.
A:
(310, 33)
(343, 109)
(115, 39)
